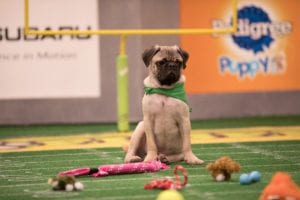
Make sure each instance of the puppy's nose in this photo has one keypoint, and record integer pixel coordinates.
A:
(172, 65)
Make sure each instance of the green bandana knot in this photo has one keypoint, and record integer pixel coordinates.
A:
(176, 92)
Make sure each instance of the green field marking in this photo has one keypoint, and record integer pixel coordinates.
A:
(24, 175)
(10, 131)
(113, 139)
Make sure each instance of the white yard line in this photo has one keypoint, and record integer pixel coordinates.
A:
(276, 155)
(238, 146)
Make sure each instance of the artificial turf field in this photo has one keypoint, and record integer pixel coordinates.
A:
(24, 174)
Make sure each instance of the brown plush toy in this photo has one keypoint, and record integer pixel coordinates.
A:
(222, 168)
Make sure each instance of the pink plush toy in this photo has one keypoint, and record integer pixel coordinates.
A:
(128, 168)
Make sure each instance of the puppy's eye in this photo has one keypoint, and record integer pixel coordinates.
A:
(179, 62)
(161, 62)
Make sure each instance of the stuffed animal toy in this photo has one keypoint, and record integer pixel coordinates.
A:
(67, 183)
(281, 187)
(128, 168)
(222, 168)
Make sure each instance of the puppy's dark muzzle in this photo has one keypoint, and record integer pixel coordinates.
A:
(169, 74)
(173, 67)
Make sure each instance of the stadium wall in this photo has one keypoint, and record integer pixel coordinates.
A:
(98, 104)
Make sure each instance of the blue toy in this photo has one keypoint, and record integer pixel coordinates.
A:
(246, 179)
(255, 176)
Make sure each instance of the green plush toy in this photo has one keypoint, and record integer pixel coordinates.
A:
(67, 183)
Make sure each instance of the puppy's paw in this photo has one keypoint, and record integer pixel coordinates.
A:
(151, 156)
(162, 158)
(191, 159)
(131, 159)
(196, 161)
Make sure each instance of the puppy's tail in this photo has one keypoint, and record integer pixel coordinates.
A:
(125, 148)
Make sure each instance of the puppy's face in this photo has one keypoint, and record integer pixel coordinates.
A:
(165, 63)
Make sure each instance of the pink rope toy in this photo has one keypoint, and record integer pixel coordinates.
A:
(105, 170)
(168, 183)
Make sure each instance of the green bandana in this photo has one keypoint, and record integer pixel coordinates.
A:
(176, 92)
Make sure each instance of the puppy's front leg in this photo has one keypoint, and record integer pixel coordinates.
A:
(189, 156)
(135, 143)
(151, 145)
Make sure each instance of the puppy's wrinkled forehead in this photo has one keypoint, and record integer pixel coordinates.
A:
(165, 53)
(168, 52)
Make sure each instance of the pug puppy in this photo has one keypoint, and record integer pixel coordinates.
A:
(164, 133)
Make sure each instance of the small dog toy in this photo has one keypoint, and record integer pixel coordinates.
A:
(168, 183)
(253, 177)
(128, 168)
(245, 179)
(67, 183)
(281, 187)
(169, 194)
(222, 168)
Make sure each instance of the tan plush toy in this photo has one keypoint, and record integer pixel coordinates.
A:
(222, 168)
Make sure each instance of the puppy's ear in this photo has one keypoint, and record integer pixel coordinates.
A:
(185, 56)
(149, 53)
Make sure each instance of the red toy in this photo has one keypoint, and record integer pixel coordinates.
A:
(168, 183)
(281, 187)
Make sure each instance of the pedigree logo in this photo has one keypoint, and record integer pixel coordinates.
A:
(255, 34)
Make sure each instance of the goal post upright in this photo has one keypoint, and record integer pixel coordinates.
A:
(122, 87)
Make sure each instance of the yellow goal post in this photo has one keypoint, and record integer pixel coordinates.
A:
(122, 59)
